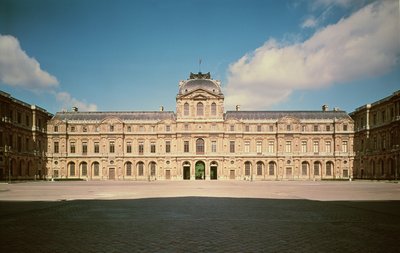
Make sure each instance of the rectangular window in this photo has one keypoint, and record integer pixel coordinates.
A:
(258, 128)
(141, 148)
(315, 128)
(328, 128)
(129, 129)
(213, 146)
(96, 147)
(288, 147)
(271, 147)
(271, 128)
(72, 129)
(84, 147)
(259, 169)
(168, 128)
(345, 127)
(344, 146)
(167, 146)
(232, 128)
(55, 128)
(247, 146)
(56, 147)
(19, 143)
(328, 147)
(152, 147)
(72, 147)
(112, 147)
(259, 147)
(111, 128)
(247, 128)
(186, 146)
(129, 147)
(316, 147)
(232, 146)
(288, 128)
(304, 146)
(303, 128)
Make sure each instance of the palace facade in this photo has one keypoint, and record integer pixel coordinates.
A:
(23, 139)
(200, 141)
(377, 139)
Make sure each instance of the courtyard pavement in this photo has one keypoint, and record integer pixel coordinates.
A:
(200, 216)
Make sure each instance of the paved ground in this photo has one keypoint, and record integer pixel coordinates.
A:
(200, 216)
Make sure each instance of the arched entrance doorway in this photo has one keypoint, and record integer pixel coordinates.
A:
(200, 170)
(186, 171)
(214, 171)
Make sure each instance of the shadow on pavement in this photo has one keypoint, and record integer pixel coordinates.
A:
(193, 224)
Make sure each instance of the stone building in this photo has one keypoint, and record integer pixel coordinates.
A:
(377, 139)
(23, 139)
(200, 141)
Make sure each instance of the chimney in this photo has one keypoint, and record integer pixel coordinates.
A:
(324, 108)
(75, 109)
(161, 108)
(237, 108)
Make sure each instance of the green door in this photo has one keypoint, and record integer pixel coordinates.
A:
(200, 171)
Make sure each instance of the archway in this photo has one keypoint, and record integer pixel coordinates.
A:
(186, 171)
(200, 172)
(214, 171)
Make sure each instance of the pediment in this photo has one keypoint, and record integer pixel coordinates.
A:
(200, 94)
(111, 120)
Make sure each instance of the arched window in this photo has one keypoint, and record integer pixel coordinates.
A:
(213, 109)
(140, 168)
(329, 166)
(271, 168)
(96, 170)
(153, 169)
(200, 109)
(247, 167)
(316, 168)
(200, 146)
(71, 169)
(84, 168)
(128, 169)
(304, 168)
(260, 166)
(186, 109)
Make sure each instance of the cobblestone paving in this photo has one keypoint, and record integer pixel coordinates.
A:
(200, 216)
(200, 224)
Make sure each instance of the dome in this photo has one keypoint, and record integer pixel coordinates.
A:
(200, 81)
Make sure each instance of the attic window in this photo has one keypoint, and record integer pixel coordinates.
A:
(185, 90)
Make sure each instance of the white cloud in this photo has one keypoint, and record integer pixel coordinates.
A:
(18, 69)
(309, 23)
(68, 101)
(364, 44)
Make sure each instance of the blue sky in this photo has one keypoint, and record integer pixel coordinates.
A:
(130, 55)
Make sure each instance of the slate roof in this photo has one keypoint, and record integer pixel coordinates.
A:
(194, 84)
(99, 116)
(309, 115)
